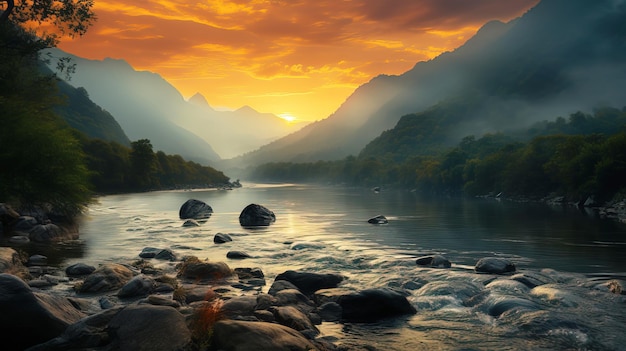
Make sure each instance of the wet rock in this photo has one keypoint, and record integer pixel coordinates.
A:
(149, 327)
(330, 312)
(293, 297)
(308, 282)
(255, 215)
(279, 285)
(221, 238)
(293, 318)
(496, 305)
(140, 285)
(532, 279)
(494, 265)
(508, 286)
(616, 287)
(239, 306)
(160, 300)
(237, 255)
(30, 318)
(374, 304)
(380, 219)
(433, 261)
(249, 273)
(79, 269)
(305, 245)
(195, 209)
(159, 254)
(106, 278)
(258, 336)
(191, 223)
(264, 316)
(192, 268)
(323, 296)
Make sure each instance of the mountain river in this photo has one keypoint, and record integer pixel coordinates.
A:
(325, 229)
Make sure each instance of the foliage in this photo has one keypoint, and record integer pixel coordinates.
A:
(42, 162)
(566, 157)
(203, 320)
(117, 168)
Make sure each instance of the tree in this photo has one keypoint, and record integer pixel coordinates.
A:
(41, 161)
(143, 164)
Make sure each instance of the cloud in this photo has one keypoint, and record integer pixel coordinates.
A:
(238, 44)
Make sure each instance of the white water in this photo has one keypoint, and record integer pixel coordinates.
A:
(330, 226)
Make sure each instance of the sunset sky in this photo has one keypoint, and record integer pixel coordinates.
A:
(299, 58)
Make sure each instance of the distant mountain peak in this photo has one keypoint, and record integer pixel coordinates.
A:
(246, 109)
(199, 100)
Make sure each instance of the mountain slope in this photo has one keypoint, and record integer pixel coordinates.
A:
(561, 56)
(147, 106)
(84, 115)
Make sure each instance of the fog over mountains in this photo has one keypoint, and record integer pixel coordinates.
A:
(560, 57)
(148, 107)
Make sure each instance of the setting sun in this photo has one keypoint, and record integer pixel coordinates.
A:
(287, 117)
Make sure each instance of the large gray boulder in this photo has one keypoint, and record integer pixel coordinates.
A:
(106, 278)
(195, 209)
(258, 336)
(28, 318)
(374, 304)
(255, 215)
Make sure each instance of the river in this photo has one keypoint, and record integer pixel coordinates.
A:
(325, 229)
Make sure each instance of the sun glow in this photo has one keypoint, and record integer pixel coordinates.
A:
(287, 117)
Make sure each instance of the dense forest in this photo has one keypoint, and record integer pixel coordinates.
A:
(47, 163)
(579, 157)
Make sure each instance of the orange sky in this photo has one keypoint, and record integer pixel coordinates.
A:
(293, 57)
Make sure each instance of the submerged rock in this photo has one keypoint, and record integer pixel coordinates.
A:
(195, 209)
(221, 238)
(237, 255)
(494, 265)
(191, 223)
(256, 215)
(380, 219)
(433, 261)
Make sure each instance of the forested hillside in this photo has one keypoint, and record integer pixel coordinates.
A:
(582, 156)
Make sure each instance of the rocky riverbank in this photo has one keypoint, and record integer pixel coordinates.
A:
(162, 302)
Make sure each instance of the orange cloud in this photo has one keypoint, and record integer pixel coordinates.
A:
(301, 56)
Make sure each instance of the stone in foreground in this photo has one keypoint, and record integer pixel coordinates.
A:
(258, 336)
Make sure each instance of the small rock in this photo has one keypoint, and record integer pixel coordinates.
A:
(249, 273)
(237, 255)
(494, 265)
(37, 260)
(221, 238)
(380, 219)
(79, 269)
(433, 261)
(191, 223)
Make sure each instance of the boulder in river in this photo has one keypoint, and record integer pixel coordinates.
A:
(193, 268)
(255, 215)
(79, 269)
(48, 233)
(380, 219)
(195, 209)
(433, 261)
(221, 238)
(237, 255)
(494, 265)
(308, 283)
(374, 304)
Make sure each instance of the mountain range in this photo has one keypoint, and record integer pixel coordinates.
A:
(148, 107)
(559, 57)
